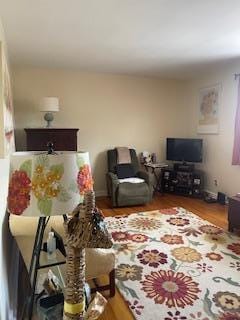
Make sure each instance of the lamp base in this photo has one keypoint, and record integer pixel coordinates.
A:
(49, 118)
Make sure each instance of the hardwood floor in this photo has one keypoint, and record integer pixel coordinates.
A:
(215, 213)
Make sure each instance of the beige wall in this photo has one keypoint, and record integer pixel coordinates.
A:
(2, 41)
(8, 254)
(109, 110)
(218, 148)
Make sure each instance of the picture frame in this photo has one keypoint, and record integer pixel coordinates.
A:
(209, 102)
(7, 100)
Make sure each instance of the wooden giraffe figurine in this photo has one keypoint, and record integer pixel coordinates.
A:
(86, 229)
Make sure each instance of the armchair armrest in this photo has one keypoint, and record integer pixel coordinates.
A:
(112, 184)
(113, 177)
(144, 175)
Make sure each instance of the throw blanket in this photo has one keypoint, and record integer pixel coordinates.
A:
(123, 155)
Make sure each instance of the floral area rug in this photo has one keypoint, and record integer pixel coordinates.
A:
(172, 265)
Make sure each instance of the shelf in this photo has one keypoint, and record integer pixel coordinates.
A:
(46, 262)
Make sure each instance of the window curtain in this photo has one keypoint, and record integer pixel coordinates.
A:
(236, 147)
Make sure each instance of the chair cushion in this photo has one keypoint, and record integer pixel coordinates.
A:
(124, 170)
(132, 193)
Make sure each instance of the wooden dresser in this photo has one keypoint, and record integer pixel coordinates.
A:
(63, 139)
(234, 213)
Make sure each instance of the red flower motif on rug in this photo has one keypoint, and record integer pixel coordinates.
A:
(169, 211)
(174, 289)
(210, 229)
(189, 231)
(138, 237)
(204, 267)
(120, 236)
(235, 265)
(229, 316)
(198, 316)
(175, 316)
(214, 256)
(235, 247)
(202, 260)
(153, 258)
(178, 221)
(19, 192)
(136, 307)
(172, 239)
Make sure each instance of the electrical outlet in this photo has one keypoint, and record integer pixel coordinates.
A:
(215, 182)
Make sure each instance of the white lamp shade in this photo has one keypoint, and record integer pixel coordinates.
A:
(49, 104)
(48, 184)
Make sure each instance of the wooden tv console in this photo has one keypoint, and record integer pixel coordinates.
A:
(187, 183)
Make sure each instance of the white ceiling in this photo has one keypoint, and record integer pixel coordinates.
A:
(167, 38)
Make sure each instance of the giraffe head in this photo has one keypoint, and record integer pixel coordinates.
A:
(87, 229)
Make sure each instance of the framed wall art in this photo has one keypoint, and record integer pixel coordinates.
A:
(209, 100)
(7, 106)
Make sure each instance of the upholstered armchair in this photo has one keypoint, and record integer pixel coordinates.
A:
(127, 193)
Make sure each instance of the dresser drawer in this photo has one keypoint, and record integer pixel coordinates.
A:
(62, 139)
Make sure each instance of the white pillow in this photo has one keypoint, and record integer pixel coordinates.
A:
(131, 180)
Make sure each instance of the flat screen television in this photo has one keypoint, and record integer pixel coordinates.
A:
(185, 150)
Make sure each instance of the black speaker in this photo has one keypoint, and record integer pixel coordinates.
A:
(221, 198)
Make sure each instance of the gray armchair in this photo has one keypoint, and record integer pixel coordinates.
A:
(127, 194)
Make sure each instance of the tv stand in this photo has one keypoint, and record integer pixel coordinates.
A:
(183, 179)
(184, 167)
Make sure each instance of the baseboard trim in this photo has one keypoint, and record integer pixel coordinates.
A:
(212, 194)
(103, 193)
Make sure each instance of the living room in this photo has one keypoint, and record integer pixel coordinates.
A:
(132, 74)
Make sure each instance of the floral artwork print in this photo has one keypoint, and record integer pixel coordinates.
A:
(209, 100)
(8, 110)
(172, 265)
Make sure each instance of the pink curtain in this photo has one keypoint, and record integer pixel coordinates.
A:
(236, 147)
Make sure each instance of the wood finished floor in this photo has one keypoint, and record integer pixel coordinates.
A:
(215, 213)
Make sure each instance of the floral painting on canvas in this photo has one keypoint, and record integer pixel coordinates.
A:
(208, 109)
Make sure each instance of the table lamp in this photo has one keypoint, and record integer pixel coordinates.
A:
(45, 185)
(49, 105)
